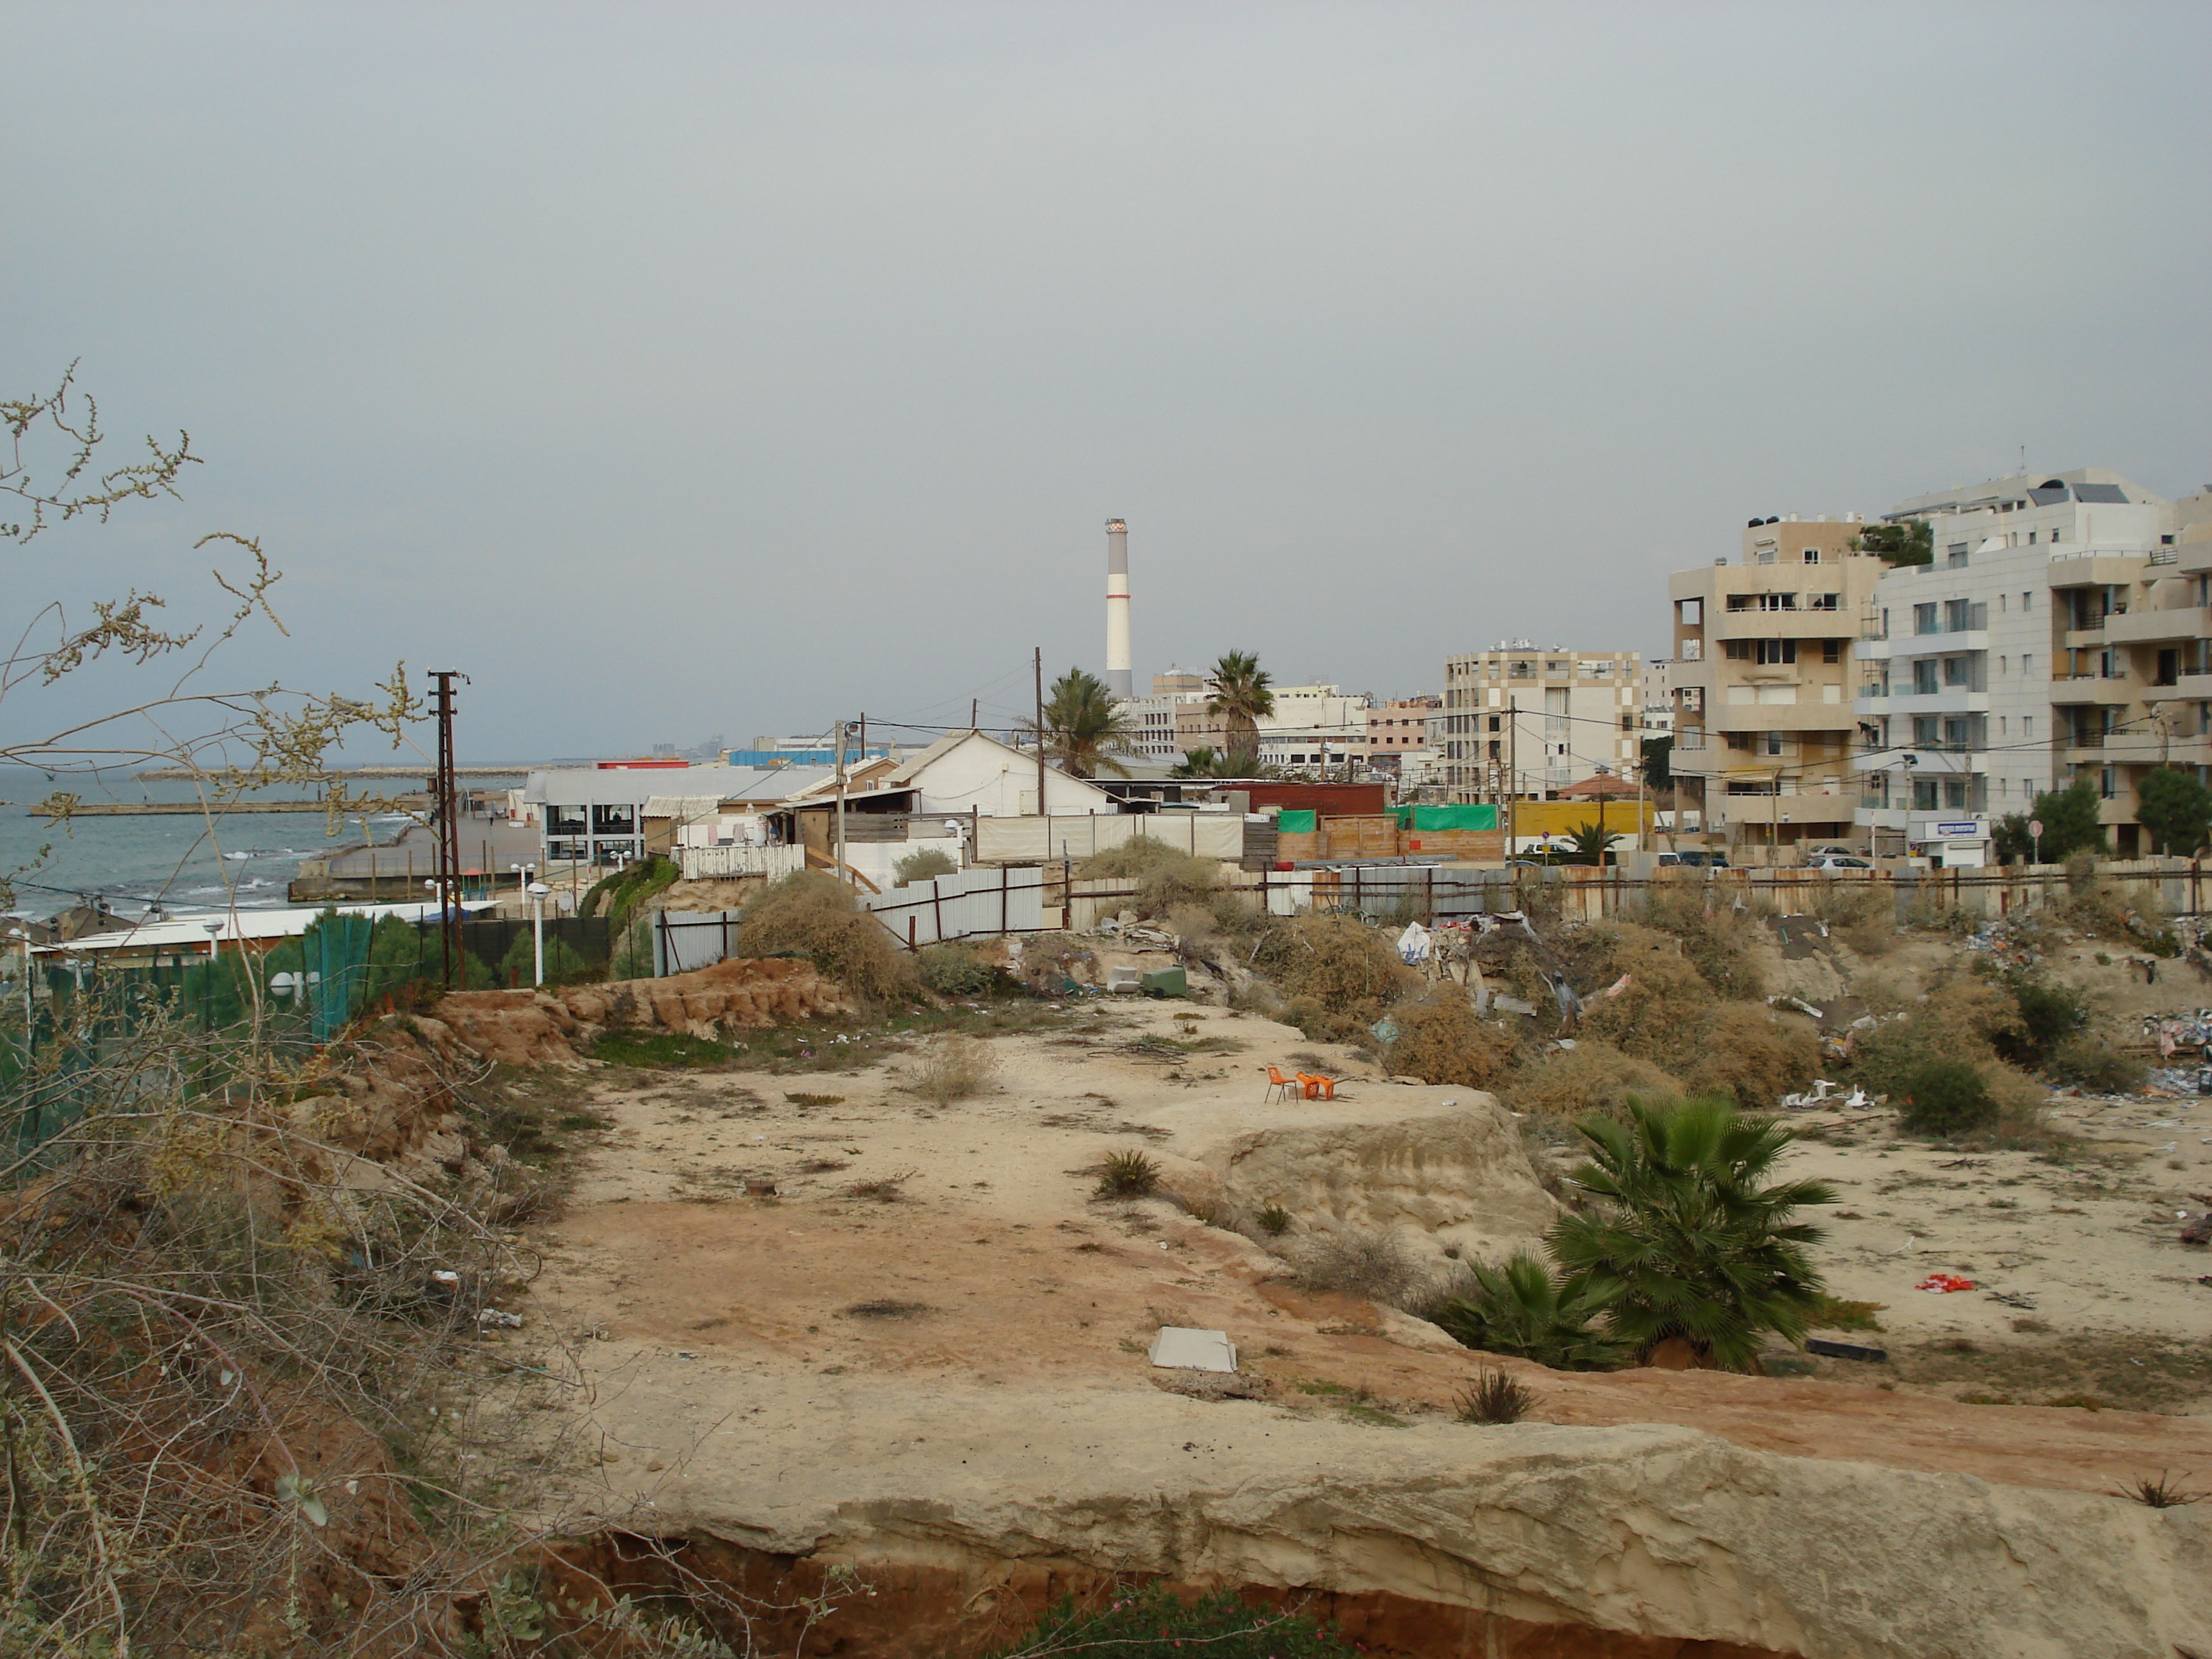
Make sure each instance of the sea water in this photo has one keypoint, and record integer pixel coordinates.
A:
(186, 862)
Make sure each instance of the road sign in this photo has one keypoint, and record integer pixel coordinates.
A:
(2035, 827)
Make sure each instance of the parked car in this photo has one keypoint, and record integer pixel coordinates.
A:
(1702, 859)
(1838, 861)
(1835, 847)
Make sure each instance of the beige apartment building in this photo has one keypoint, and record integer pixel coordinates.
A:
(1399, 732)
(1530, 723)
(1763, 681)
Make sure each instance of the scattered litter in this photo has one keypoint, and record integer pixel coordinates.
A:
(1124, 981)
(2022, 1299)
(1858, 1351)
(1944, 1284)
(1180, 1347)
(1798, 1002)
(1824, 1093)
(2198, 1232)
(500, 1317)
(1414, 947)
(685, 1354)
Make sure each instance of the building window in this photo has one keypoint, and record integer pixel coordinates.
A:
(1832, 652)
(1811, 556)
(2027, 725)
(1924, 618)
(2028, 601)
(1824, 602)
(1773, 742)
(2026, 662)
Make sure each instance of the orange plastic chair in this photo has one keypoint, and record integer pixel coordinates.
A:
(1277, 1080)
(1318, 1088)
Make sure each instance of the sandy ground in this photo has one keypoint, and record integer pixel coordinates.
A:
(727, 1334)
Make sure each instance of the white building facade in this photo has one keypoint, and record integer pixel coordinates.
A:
(2058, 635)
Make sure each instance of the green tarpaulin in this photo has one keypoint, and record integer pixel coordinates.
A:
(1297, 823)
(1417, 819)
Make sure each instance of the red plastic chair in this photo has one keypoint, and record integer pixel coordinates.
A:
(1316, 1087)
(1277, 1080)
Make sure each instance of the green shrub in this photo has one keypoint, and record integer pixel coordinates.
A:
(808, 914)
(563, 966)
(1719, 945)
(955, 971)
(2049, 1015)
(1151, 1623)
(920, 865)
(2089, 1062)
(1524, 1309)
(1945, 1098)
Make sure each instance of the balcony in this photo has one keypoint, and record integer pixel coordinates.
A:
(1936, 643)
(2079, 689)
(2189, 688)
(1950, 700)
(1928, 761)
(2130, 747)
(2179, 623)
(1781, 625)
(1780, 717)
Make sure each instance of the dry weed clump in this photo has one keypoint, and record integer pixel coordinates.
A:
(1715, 935)
(1755, 1054)
(1862, 913)
(950, 1066)
(1336, 973)
(1670, 1017)
(1592, 1079)
(1443, 1040)
(1962, 1019)
(1373, 1266)
(1165, 878)
(808, 914)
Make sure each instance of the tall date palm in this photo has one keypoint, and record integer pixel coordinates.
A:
(1242, 698)
(1084, 731)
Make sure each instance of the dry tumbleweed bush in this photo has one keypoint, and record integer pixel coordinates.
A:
(951, 1067)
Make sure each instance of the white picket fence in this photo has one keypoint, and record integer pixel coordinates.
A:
(706, 863)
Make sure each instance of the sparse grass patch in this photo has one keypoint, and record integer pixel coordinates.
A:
(884, 1308)
(1834, 1313)
(1274, 1221)
(1496, 1397)
(1127, 1175)
(661, 1050)
(2163, 1493)
(1371, 1266)
(882, 1189)
(802, 1098)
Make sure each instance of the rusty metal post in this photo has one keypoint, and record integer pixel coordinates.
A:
(445, 820)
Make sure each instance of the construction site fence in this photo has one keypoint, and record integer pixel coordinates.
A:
(59, 1029)
(709, 863)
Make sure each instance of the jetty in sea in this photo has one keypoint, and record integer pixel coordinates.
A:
(186, 775)
(133, 809)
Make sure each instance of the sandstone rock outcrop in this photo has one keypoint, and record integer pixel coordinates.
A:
(1650, 1534)
(522, 1028)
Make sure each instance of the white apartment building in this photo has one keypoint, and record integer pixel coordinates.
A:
(1154, 717)
(1762, 679)
(1313, 727)
(1530, 722)
(2061, 632)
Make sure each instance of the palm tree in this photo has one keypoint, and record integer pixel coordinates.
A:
(1209, 762)
(1084, 729)
(1686, 1242)
(1522, 1309)
(1240, 699)
(1591, 844)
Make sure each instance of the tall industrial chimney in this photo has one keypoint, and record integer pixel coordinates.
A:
(1118, 678)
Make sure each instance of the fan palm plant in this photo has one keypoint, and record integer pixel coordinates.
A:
(1084, 731)
(1592, 843)
(1686, 1241)
(1242, 698)
(1521, 1308)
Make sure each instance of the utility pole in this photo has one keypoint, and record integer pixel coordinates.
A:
(1512, 766)
(975, 708)
(838, 848)
(445, 808)
(1041, 813)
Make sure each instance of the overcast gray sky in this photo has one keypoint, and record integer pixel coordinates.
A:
(677, 370)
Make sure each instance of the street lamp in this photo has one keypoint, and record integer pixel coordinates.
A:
(538, 889)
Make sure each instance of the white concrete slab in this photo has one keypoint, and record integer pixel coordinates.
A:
(1178, 1347)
